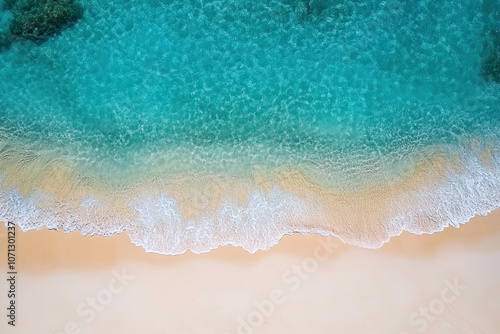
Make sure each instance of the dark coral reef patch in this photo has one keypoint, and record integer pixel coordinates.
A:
(37, 20)
(40, 19)
(491, 65)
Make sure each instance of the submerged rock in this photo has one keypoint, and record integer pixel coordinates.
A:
(40, 19)
(491, 66)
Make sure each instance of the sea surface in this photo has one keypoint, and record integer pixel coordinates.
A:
(195, 124)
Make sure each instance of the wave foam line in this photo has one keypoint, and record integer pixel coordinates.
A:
(439, 193)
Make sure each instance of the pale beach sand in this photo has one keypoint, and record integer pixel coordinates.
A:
(447, 282)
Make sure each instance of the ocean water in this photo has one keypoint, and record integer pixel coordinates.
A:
(196, 124)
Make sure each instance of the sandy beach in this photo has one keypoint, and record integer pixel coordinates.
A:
(447, 282)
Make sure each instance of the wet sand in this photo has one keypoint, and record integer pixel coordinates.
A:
(447, 282)
(424, 197)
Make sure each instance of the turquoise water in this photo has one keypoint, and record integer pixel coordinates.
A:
(348, 91)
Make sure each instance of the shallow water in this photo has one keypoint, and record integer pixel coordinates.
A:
(192, 124)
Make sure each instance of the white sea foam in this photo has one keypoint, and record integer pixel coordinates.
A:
(475, 191)
(158, 225)
(257, 225)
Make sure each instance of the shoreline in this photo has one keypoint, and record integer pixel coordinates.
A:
(60, 250)
(203, 212)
